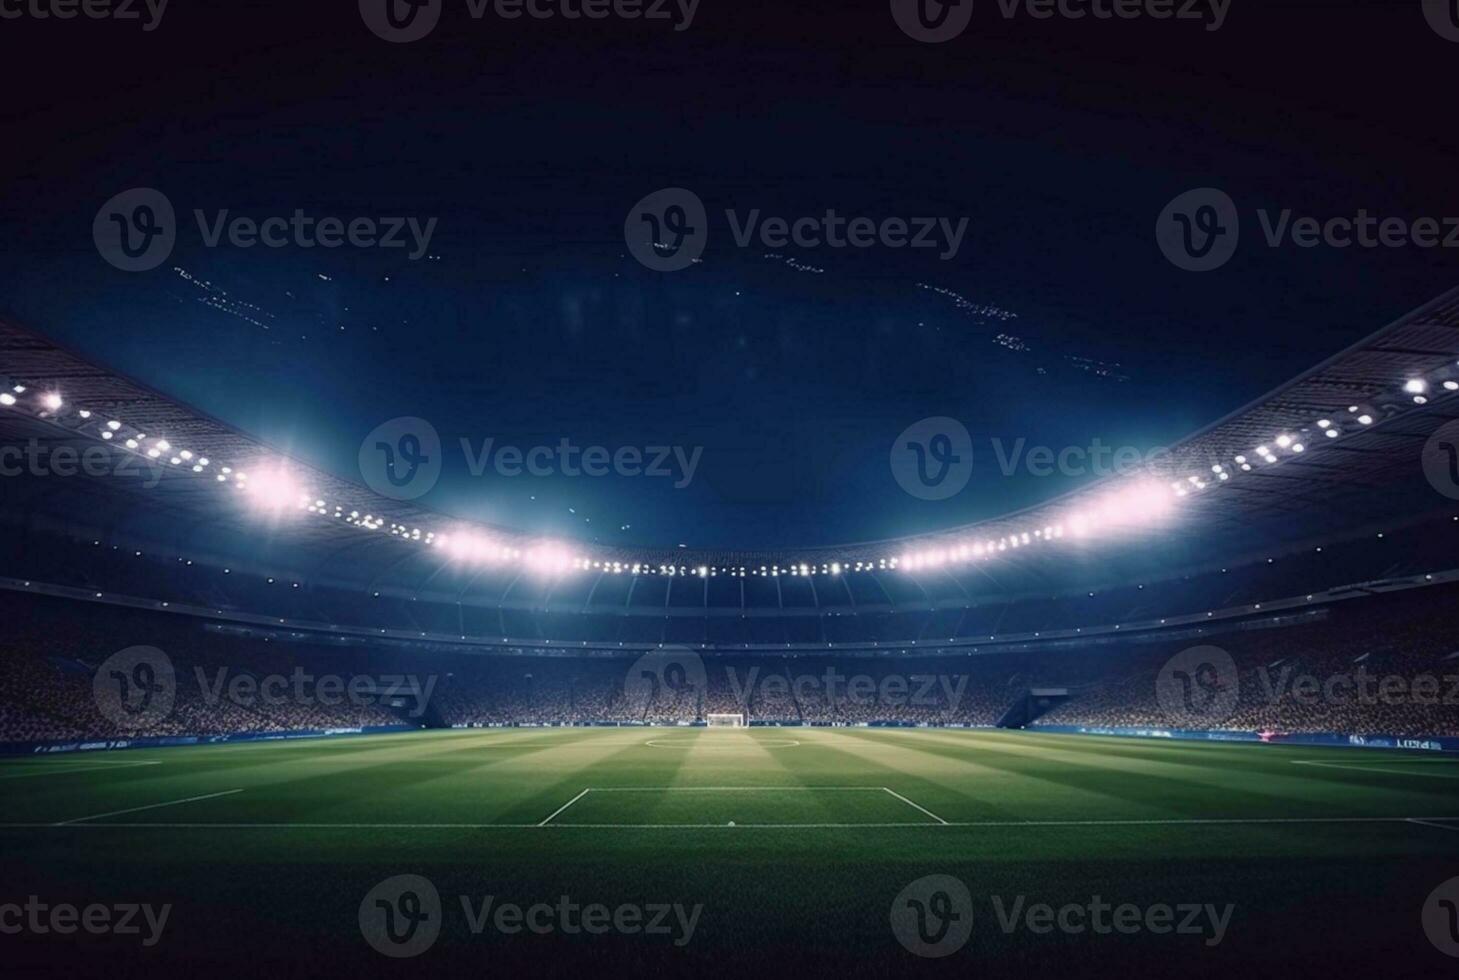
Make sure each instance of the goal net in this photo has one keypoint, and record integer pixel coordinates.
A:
(725, 721)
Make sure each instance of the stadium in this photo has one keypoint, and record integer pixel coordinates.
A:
(566, 597)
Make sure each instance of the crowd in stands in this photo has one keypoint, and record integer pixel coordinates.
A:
(1381, 665)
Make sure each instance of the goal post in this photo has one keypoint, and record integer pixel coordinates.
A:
(725, 720)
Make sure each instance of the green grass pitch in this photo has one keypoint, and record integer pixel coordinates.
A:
(794, 843)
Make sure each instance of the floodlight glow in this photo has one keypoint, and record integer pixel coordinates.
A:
(1451, 385)
(1365, 419)
(113, 425)
(7, 399)
(1416, 386)
(271, 490)
(52, 401)
(1284, 441)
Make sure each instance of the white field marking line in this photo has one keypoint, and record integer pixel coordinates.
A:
(150, 806)
(1429, 823)
(1386, 772)
(68, 770)
(737, 789)
(915, 806)
(765, 743)
(1173, 822)
(564, 807)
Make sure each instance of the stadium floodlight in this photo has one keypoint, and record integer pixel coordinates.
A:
(1365, 419)
(271, 489)
(7, 399)
(1284, 441)
(1416, 386)
(52, 401)
(1451, 385)
(113, 425)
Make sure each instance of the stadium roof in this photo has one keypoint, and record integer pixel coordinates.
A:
(1267, 476)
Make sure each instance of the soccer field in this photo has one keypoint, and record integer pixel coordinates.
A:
(783, 849)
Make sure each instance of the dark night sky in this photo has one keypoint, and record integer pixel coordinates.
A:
(1060, 142)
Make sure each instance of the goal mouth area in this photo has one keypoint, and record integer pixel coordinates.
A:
(725, 720)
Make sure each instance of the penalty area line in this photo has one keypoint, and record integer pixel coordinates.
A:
(150, 806)
(1439, 822)
(559, 810)
(915, 806)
